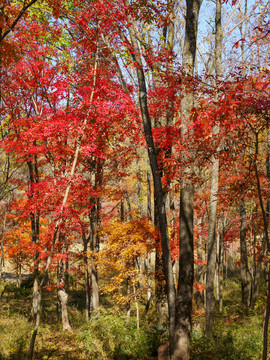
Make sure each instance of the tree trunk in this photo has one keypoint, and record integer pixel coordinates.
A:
(160, 283)
(160, 292)
(2, 260)
(165, 242)
(220, 268)
(34, 218)
(217, 264)
(149, 193)
(36, 305)
(211, 257)
(181, 349)
(256, 274)
(245, 276)
(266, 240)
(94, 246)
(86, 276)
(62, 295)
(94, 234)
(137, 308)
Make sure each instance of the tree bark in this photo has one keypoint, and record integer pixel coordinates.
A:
(149, 193)
(34, 218)
(256, 274)
(62, 294)
(160, 292)
(181, 349)
(245, 275)
(86, 276)
(211, 257)
(2, 259)
(266, 239)
(220, 268)
(94, 236)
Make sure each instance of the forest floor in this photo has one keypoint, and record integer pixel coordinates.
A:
(236, 336)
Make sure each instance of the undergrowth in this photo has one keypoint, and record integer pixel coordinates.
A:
(237, 334)
(109, 337)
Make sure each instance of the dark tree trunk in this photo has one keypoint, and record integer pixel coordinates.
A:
(165, 242)
(149, 193)
(265, 217)
(34, 217)
(94, 246)
(182, 336)
(186, 275)
(160, 283)
(160, 292)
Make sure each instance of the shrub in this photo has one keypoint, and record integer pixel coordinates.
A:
(226, 344)
(109, 337)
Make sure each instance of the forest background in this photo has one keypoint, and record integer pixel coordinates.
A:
(134, 183)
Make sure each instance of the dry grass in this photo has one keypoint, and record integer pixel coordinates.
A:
(15, 330)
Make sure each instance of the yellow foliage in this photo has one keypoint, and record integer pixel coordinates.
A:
(125, 243)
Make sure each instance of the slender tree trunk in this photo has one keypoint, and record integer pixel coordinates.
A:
(34, 218)
(61, 293)
(217, 264)
(165, 242)
(149, 193)
(245, 276)
(149, 215)
(266, 239)
(160, 283)
(94, 237)
(86, 277)
(137, 308)
(266, 320)
(94, 246)
(211, 257)
(200, 272)
(256, 274)
(266, 216)
(2, 260)
(128, 302)
(220, 268)
(37, 304)
(211, 262)
(160, 292)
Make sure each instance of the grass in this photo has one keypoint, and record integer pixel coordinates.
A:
(15, 330)
(237, 334)
(106, 336)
